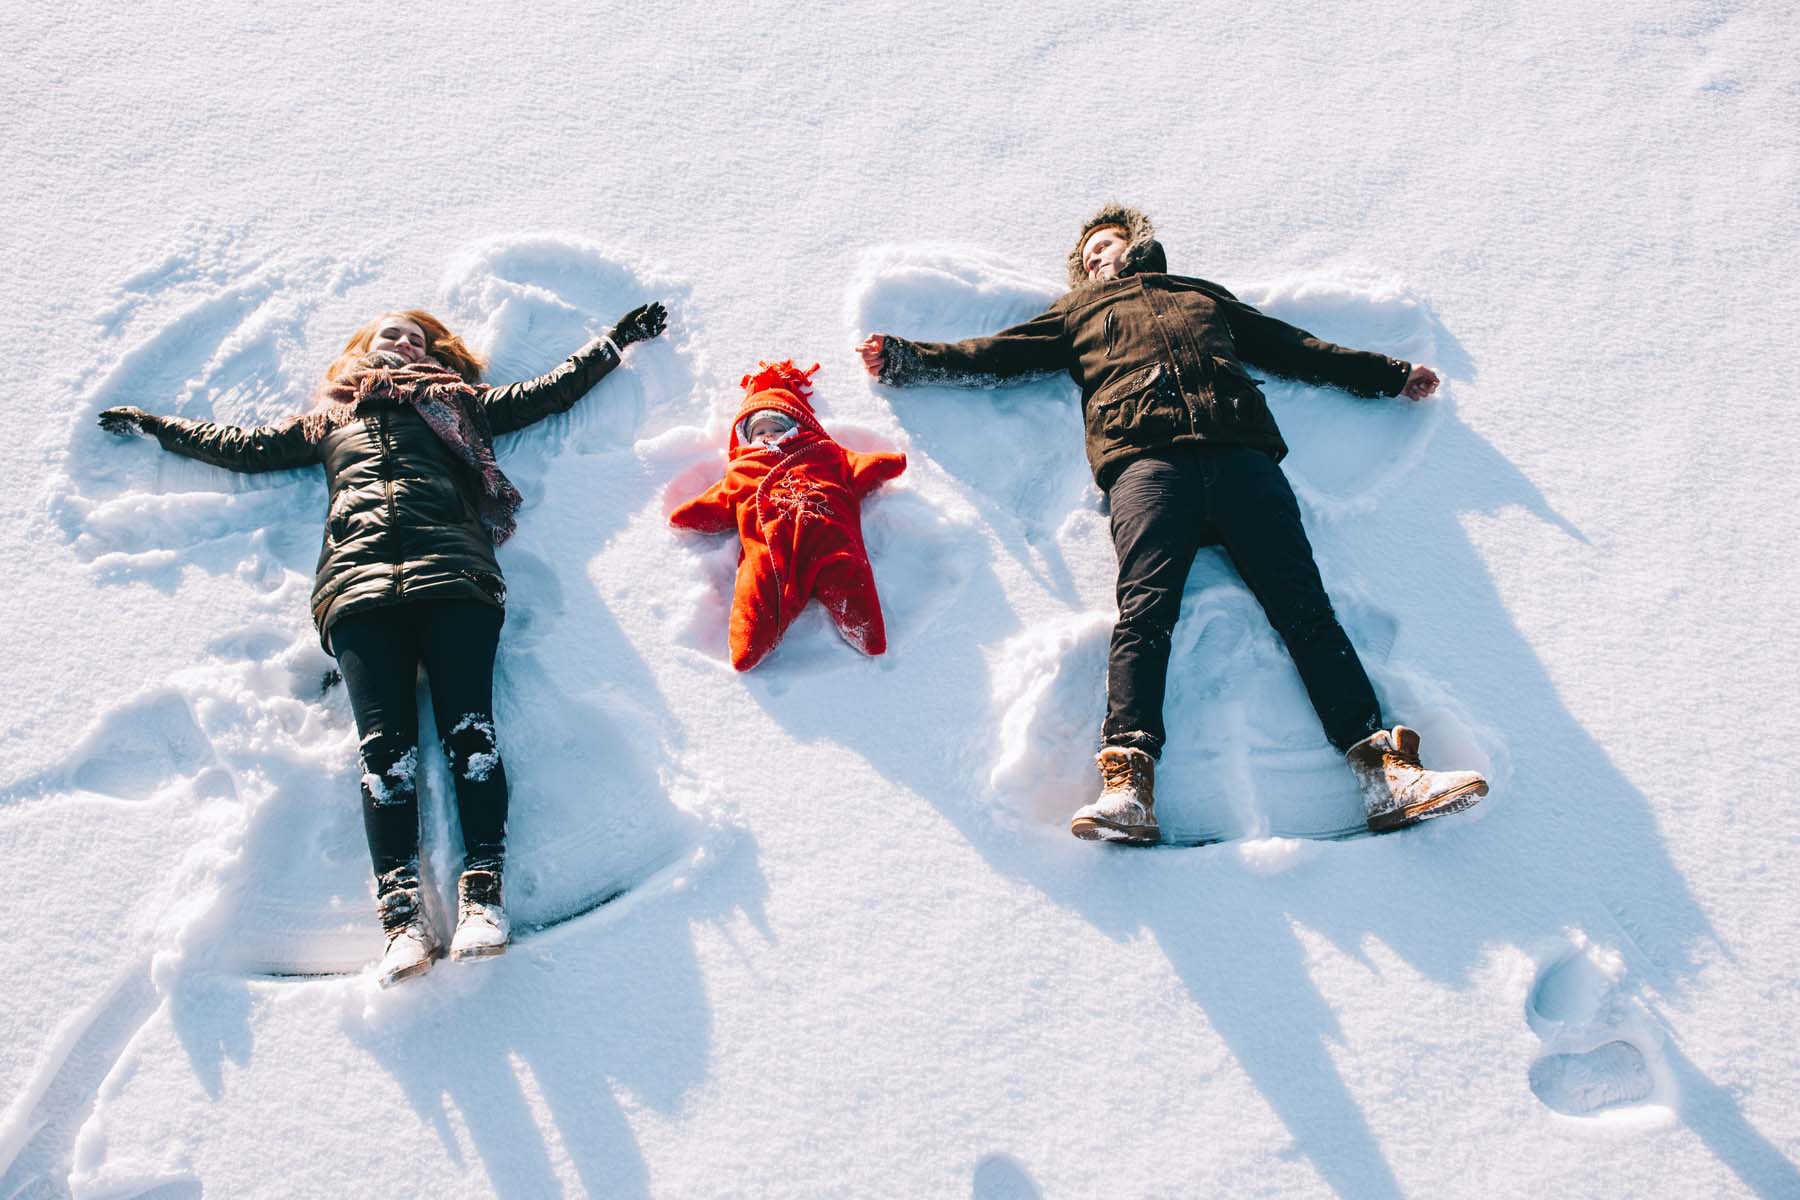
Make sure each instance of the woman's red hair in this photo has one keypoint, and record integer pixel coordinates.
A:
(440, 344)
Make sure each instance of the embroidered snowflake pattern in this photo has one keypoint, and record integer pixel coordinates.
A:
(795, 496)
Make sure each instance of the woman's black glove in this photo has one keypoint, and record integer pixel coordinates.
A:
(640, 324)
(126, 420)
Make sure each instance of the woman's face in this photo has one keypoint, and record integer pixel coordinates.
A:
(397, 335)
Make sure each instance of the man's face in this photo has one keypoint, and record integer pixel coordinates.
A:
(1101, 253)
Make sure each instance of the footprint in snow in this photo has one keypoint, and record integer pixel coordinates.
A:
(1601, 1048)
(1607, 1076)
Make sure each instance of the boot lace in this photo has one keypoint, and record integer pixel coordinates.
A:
(480, 890)
(397, 901)
(1399, 757)
(1120, 773)
(1397, 753)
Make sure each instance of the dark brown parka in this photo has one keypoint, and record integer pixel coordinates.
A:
(402, 522)
(1160, 359)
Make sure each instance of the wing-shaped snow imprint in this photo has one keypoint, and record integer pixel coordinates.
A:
(1343, 452)
(1602, 1051)
(531, 300)
(231, 351)
(126, 754)
(258, 727)
(1014, 453)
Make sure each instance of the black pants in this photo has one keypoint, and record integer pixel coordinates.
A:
(1165, 507)
(379, 653)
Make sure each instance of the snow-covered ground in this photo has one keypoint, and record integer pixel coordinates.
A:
(819, 929)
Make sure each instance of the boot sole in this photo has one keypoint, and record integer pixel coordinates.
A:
(479, 952)
(401, 976)
(1099, 829)
(1425, 810)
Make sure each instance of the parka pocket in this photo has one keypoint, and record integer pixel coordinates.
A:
(1235, 390)
(337, 516)
(1128, 408)
(1232, 369)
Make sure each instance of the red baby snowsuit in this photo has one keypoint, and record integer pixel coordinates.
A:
(798, 511)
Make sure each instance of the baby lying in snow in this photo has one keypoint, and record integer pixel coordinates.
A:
(795, 498)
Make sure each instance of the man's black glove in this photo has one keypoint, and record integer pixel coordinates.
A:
(640, 324)
(126, 420)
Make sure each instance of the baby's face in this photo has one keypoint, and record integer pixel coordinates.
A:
(766, 427)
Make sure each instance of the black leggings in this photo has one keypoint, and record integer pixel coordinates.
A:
(379, 652)
(1165, 507)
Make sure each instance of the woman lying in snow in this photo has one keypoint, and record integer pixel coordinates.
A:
(795, 498)
(407, 576)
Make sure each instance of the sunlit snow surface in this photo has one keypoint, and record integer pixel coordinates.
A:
(819, 929)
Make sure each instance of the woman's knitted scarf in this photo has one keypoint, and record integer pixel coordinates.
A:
(446, 402)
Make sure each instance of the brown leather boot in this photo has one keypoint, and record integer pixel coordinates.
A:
(1398, 791)
(1125, 811)
(482, 928)
(411, 942)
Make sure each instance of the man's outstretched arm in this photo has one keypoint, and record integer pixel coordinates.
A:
(1286, 350)
(1039, 346)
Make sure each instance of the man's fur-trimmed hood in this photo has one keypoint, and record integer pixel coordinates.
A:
(1143, 253)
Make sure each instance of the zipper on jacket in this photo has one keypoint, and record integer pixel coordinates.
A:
(1170, 343)
(1112, 328)
(387, 483)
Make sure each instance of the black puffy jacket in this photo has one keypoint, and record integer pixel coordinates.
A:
(402, 522)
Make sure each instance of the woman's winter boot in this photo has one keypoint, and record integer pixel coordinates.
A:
(1397, 790)
(411, 943)
(1126, 809)
(482, 929)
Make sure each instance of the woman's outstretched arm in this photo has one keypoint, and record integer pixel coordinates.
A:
(517, 405)
(260, 448)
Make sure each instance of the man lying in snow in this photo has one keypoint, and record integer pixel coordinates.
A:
(1180, 439)
(795, 498)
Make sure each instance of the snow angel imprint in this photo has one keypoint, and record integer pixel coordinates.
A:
(404, 429)
(795, 497)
